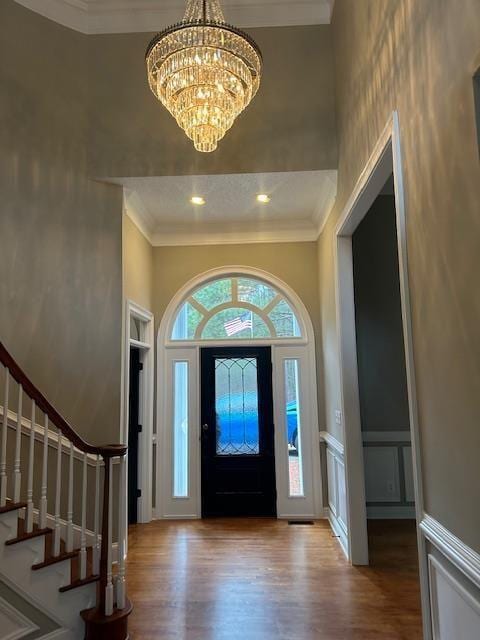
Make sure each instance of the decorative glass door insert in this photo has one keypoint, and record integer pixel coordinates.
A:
(236, 406)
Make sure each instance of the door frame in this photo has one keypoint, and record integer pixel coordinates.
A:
(145, 445)
(168, 352)
(385, 160)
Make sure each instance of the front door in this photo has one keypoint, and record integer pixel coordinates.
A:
(238, 463)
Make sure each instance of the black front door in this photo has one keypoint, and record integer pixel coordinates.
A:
(133, 431)
(238, 463)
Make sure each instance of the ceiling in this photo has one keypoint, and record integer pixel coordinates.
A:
(125, 16)
(161, 208)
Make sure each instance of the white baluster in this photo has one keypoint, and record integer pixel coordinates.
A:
(58, 495)
(109, 587)
(69, 541)
(122, 535)
(31, 453)
(17, 474)
(3, 453)
(83, 536)
(42, 520)
(96, 543)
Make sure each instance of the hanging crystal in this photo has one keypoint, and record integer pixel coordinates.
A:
(205, 72)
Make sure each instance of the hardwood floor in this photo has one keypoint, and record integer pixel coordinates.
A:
(264, 579)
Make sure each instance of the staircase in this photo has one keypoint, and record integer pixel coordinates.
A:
(58, 496)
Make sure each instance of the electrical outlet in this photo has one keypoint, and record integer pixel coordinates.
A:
(338, 417)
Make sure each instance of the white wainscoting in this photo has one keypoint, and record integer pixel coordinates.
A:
(455, 610)
(388, 474)
(337, 498)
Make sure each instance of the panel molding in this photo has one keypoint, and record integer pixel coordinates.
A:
(336, 512)
(463, 622)
(455, 550)
(391, 512)
(23, 625)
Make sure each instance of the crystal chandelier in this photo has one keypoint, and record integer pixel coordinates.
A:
(204, 71)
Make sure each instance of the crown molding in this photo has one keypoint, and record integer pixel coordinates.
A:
(236, 233)
(122, 16)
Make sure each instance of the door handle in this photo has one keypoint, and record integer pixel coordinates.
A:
(205, 427)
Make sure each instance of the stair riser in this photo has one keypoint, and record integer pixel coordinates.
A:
(42, 586)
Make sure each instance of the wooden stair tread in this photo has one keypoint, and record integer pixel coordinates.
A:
(12, 506)
(22, 535)
(55, 559)
(79, 583)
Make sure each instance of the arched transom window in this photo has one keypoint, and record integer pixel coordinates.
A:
(235, 308)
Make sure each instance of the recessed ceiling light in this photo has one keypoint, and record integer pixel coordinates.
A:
(197, 200)
(263, 198)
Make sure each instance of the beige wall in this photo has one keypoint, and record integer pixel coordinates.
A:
(419, 57)
(289, 126)
(137, 265)
(60, 233)
(294, 263)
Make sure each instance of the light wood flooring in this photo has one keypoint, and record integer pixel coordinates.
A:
(242, 579)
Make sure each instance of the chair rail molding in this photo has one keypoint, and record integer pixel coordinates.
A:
(332, 442)
(457, 552)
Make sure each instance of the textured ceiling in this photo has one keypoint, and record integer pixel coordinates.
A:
(122, 16)
(299, 202)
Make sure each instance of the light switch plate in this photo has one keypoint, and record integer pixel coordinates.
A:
(338, 417)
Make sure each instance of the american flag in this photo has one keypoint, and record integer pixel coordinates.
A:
(238, 324)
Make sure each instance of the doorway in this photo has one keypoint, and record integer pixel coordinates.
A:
(384, 161)
(237, 437)
(134, 429)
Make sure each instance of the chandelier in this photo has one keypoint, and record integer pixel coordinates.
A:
(204, 71)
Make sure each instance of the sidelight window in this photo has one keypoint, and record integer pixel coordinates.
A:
(180, 430)
(293, 422)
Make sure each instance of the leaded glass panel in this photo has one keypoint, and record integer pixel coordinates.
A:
(236, 406)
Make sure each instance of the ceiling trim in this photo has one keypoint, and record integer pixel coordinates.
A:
(168, 239)
(118, 16)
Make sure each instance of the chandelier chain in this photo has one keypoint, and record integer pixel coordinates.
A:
(203, 11)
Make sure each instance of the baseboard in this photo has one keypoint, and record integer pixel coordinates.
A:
(339, 531)
(393, 512)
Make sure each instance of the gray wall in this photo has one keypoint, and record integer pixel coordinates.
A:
(289, 126)
(419, 58)
(60, 233)
(382, 377)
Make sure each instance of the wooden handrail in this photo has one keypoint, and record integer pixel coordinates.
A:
(106, 451)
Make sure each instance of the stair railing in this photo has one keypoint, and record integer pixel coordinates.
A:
(111, 599)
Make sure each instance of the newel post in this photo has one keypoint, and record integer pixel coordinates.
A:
(108, 618)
